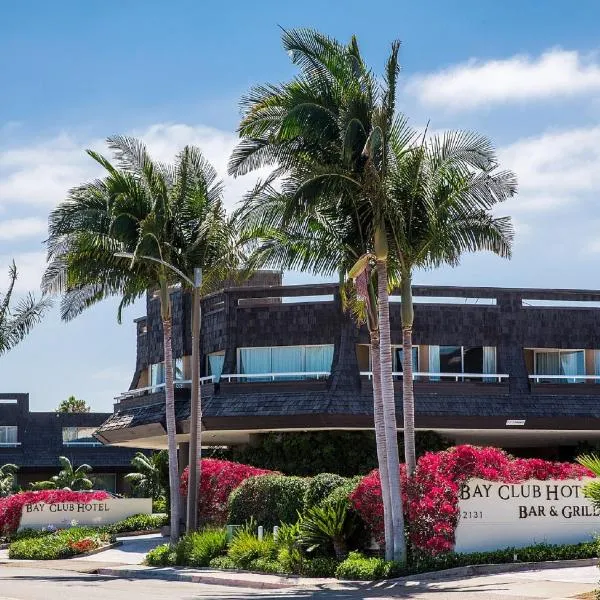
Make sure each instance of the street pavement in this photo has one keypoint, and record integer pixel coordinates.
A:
(32, 583)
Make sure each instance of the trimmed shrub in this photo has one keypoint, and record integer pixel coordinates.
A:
(217, 480)
(311, 453)
(161, 556)
(221, 562)
(359, 567)
(11, 507)
(57, 545)
(320, 486)
(266, 565)
(199, 548)
(320, 566)
(137, 523)
(342, 492)
(245, 548)
(269, 500)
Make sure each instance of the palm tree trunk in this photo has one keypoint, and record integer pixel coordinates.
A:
(408, 390)
(170, 411)
(381, 446)
(389, 411)
(195, 418)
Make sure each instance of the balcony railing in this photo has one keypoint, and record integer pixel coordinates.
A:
(565, 378)
(495, 377)
(10, 444)
(82, 443)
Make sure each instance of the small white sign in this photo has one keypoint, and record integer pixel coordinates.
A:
(496, 515)
(93, 512)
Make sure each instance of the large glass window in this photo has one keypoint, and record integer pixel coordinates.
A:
(285, 359)
(8, 435)
(465, 360)
(398, 357)
(215, 364)
(157, 372)
(560, 362)
(104, 481)
(79, 436)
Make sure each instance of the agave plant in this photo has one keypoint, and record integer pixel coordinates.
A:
(322, 527)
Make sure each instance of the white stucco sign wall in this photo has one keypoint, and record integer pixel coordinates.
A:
(93, 512)
(494, 515)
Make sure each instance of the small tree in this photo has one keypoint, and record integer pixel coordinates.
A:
(73, 405)
(592, 490)
(68, 478)
(7, 479)
(148, 480)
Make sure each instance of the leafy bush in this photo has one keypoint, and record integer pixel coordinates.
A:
(199, 548)
(311, 453)
(221, 562)
(342, 492)
(319, 566)
(217, 480)
(57, 545)
(26, 534)
(326, 528)
(359, 567)
(266, 565)
(12, 506)
(137, 523)
(245, 548)
(270, 500)
(161, 556)
(320, 486)
(160, 505)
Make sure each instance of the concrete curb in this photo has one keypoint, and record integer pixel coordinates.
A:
(255, 581)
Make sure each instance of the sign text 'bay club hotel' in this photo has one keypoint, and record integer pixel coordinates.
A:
(516, 368)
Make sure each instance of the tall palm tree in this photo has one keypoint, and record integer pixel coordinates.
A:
(16, 321)
(314, 132)
(167, 219)
(440, 192)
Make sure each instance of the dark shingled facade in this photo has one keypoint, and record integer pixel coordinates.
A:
(274, 315)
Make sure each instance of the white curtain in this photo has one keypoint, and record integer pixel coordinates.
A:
(178, 369)
(318, 358)
(255, 360)
(597, 364)
(157, 374)
(215, 362)
(489, 361)
(287, 359)
(434, 362)
(8, 435)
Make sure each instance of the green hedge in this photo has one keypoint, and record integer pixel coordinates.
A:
(320, 486)
(311, 453)
(357, 566)
(196, 549)
(55, 545)
(137, 523)
(268, 499)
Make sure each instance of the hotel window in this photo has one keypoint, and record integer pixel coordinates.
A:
(285, 359)
(157, 372)
(560, 362)
(8, 435)
(398, 357)
(104, 481)
(79, 436)
(462, 359)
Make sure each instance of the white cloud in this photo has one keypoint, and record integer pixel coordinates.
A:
(42, 173)
(13, 229)
(30, 267)
(473, 84)
(554, 169)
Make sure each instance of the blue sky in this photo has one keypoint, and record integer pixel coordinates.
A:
(71, 73)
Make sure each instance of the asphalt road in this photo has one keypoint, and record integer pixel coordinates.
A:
(24, 583)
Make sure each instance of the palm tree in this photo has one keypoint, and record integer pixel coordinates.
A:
(68, 478)
(439, 193)
(7, 479)
(591, 490)
(73, 405)
(314, 131)
(166, 220)
(147, 480)
(17, 321)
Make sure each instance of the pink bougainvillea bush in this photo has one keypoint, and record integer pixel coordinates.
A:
(430, 500)
(11, 507)
(218, 479)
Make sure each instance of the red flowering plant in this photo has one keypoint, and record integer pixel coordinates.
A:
(84, 545)
(430, 499)
(11, 507)
(217, 480)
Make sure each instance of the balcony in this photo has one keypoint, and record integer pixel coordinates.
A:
(586, 385)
